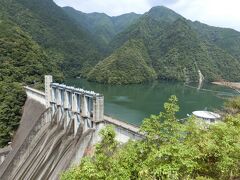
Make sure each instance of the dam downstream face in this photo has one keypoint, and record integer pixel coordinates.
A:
(51, 150)
(133, 103)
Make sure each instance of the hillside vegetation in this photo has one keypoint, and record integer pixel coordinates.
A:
(171, 149)
(38, 37)
(128, 64)
(225, 38)
(61, 37)
(178, 51)
(22, 62)
(176, 48)
(101, 26)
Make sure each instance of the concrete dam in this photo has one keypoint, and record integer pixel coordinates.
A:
(58, 128)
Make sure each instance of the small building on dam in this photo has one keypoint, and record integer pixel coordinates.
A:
(58, 128)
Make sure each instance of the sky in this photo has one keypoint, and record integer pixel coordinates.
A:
(221, 13)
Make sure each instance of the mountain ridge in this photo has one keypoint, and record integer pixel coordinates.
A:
(100, 25)
(178, 51)
(55, 31)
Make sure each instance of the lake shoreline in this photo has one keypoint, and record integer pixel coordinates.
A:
(232, 85)
(132, 103)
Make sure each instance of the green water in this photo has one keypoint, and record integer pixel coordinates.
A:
(132, 103)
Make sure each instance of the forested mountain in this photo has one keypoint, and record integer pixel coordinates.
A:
(52, 28)
(22, 62)
(180, 49)
(128, 64)
(101, 26)
(225, 38)
(37, 37)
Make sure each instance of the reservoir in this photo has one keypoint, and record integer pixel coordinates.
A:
(133, 103)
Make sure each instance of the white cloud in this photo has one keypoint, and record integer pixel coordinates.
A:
(223, 13)
(110, 7)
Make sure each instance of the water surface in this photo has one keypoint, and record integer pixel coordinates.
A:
(132, 103)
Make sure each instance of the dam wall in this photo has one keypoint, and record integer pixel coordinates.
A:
(89, 105)
(58, 128)
(31, 114)
(124, 131)
(4, 152)
(36, 95)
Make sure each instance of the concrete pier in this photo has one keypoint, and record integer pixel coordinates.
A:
(76, 104)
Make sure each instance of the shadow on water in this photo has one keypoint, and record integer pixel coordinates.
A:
(133, 103)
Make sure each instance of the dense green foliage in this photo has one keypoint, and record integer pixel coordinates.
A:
(179, 48)
(36, 38)
(51, 28)
(232, 106)
(22, 59)
(170, 150)
(128, 64)
(184, 53)
(22, 62)
(102, 27)
(225, 38)
(12, 98)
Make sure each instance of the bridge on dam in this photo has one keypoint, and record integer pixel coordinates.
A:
(58, 127)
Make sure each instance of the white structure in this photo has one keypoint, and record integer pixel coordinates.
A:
(208, 116)
(74, 104)
(80, 107)
(60, 133)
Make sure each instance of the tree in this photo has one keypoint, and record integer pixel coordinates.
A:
(100, 164)
(232, 106)
(171, 149)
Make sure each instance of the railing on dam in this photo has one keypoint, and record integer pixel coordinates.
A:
(86, 104)
(74, 104)
(122, 124)
(124, 131)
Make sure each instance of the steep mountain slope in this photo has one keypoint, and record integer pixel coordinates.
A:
(225, 38)
(123, 21)
(102, 26)
(21, 58)
(177, 50)
(22, 62)
(149, 25)
(128, 64)
(55, 31)
(183, 54)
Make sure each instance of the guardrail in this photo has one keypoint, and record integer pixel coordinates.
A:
(122, 124)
